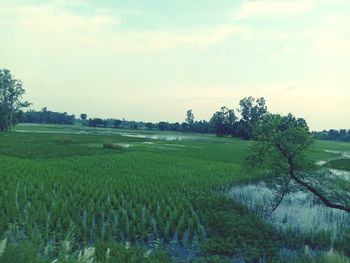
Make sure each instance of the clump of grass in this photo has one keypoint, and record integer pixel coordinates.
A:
(2, 246)
(113, 146)
(64, 140)
(333, 257)
(320, 257)
(342, 164)
(21, 253)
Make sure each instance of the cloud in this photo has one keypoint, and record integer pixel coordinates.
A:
(160, 40)
(51, 22)
(263, 8)
(52, 18)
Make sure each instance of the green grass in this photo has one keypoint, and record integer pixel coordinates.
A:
(58, 184)
(342, 164)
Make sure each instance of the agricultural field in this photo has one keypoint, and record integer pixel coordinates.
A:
(71, 193)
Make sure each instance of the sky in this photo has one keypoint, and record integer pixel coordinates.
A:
(152, 60)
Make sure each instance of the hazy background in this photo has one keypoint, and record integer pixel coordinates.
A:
(152, 60)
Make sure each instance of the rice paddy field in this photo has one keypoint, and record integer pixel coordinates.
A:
(79, 194)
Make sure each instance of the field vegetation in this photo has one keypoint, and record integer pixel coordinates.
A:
(145, 197)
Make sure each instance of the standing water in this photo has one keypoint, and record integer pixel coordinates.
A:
(299, 211)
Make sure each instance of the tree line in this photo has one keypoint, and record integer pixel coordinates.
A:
(224, 122)
(46, 116)
(341, 135)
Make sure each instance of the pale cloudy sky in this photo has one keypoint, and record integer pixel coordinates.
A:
(154, 59)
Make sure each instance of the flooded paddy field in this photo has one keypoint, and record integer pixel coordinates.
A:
(150, 193)
(77, 129)
(300, 213)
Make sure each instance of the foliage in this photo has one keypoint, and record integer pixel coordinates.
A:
(189, 117)
(163, 126)
(252, 111)
(281, 139)
(223, 122)
(342, 135)
(282, 142)
(117, 123)
(149, 125)
(11, 102)
(46, 116)
(83, 116)
(97, 122)
(232, 230)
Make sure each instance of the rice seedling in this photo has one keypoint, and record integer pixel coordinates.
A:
(147, 199)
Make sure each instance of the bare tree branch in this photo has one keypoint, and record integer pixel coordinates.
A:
(284, 192)
(321, 197)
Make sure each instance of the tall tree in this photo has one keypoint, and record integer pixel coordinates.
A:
(83, 116)
(11, 102)
(280, 149)
(252, 111)
(223, 122)
(190, 119)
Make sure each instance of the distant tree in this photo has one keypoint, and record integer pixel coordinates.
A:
(223, 122)
(280, 149)
(175, 126)
(333, 135)
(184, 127)
(231, 120)
(149, 125)
(252, 111)
(218, 123)
(97, 122)
(83, 116)
(117, 123)
(163, 126)
(11, 102)
(46, 116)
(201, 126)
(190, 119)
